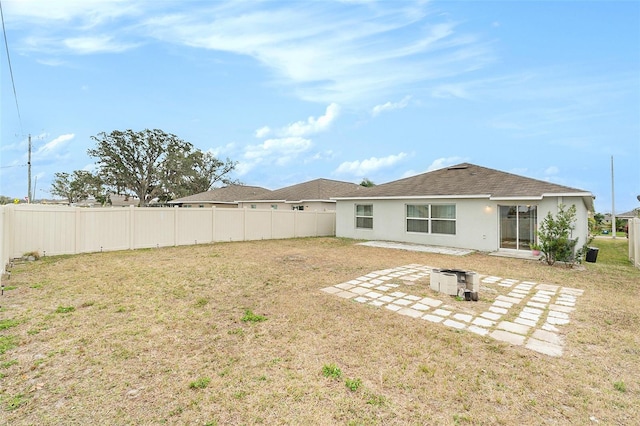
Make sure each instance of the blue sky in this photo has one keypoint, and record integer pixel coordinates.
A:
(346, 90)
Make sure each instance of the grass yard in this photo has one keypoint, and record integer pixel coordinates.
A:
(240, 333)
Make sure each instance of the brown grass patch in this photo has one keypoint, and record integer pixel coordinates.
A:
(158, 336)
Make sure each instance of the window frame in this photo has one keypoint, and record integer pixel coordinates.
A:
(429, 219)
(361, 219)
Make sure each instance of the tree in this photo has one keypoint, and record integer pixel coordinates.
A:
(76, 186)
(152, 163)
(554, 236)
(367, 183)
(193, 173)
(5, 200)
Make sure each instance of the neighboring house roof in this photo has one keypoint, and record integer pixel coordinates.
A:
(313, 190)
(226, 195)
(628, 215)
(471, 181)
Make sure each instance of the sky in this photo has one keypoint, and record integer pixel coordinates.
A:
(344, 90)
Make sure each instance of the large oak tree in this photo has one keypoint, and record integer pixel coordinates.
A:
(152, 163)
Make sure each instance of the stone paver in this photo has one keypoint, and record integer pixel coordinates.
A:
(539, 310)
(505, 336)
(544, 347)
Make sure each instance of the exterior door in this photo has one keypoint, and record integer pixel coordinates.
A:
(518, 225)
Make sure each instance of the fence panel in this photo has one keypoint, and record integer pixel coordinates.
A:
(194, 226)
(257, 224)
(103, 229)
(229, 225)
(283, 223)
(51, 233)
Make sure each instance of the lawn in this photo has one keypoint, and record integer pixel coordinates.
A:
(241, 333)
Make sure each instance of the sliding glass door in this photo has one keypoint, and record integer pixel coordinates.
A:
(518, 226)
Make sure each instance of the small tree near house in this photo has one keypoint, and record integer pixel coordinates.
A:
(554, 237)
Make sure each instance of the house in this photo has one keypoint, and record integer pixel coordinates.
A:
(465, 205)
(226, 197)
(628, 215)
(312, 195)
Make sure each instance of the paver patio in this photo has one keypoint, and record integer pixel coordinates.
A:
(524, 313)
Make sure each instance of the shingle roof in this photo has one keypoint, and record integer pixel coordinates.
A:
(226, 194)
(313, 190)
(630, 214)
(467, 180)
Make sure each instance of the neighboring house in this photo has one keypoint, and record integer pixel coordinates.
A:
(628, 215)
(226, 197)
(464, 206)
(312, 195)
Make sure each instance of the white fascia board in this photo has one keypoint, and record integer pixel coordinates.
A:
(262, 201)
(524, 197)
(568, 194)
(414, 197)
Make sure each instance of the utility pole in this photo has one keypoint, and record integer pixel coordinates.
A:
(613, 205)
(29, 172)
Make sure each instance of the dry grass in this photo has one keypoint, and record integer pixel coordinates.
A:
(162, 336)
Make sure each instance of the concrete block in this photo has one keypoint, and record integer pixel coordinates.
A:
(434, 280)
(473, 282)
(449, 284)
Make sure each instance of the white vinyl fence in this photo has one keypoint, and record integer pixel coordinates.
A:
(634, 241)
(55, 230)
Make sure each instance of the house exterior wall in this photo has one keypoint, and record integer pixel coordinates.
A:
(208, 205)
(477, 221)
(312, 206)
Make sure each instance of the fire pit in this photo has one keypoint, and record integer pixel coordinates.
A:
(456, 282)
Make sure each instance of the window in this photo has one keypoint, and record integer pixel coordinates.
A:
(431, 218)
(253, 206)
(301, 208)
(274, 207)
(364, 216)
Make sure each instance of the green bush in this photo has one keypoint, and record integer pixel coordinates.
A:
(554, 237)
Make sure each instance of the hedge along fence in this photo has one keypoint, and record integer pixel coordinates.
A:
(55, 230)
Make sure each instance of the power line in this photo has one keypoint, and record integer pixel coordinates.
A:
(13, 84)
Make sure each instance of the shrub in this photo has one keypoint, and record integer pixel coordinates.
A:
(554, 237)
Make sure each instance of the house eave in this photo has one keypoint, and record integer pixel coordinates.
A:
(414, 197)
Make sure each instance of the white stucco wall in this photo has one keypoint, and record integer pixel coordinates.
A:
(311, 206)
(477, 221)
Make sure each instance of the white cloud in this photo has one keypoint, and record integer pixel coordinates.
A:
(369, 166)
(304, 128)
(87, 45)
(552, 170)
(388, 106)
(441, 163)
(263, 132)
(312, 125)
(55, 145)
(331, 52)
(87, 13)
(446, 91)
(277, 152)
(290, 143)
